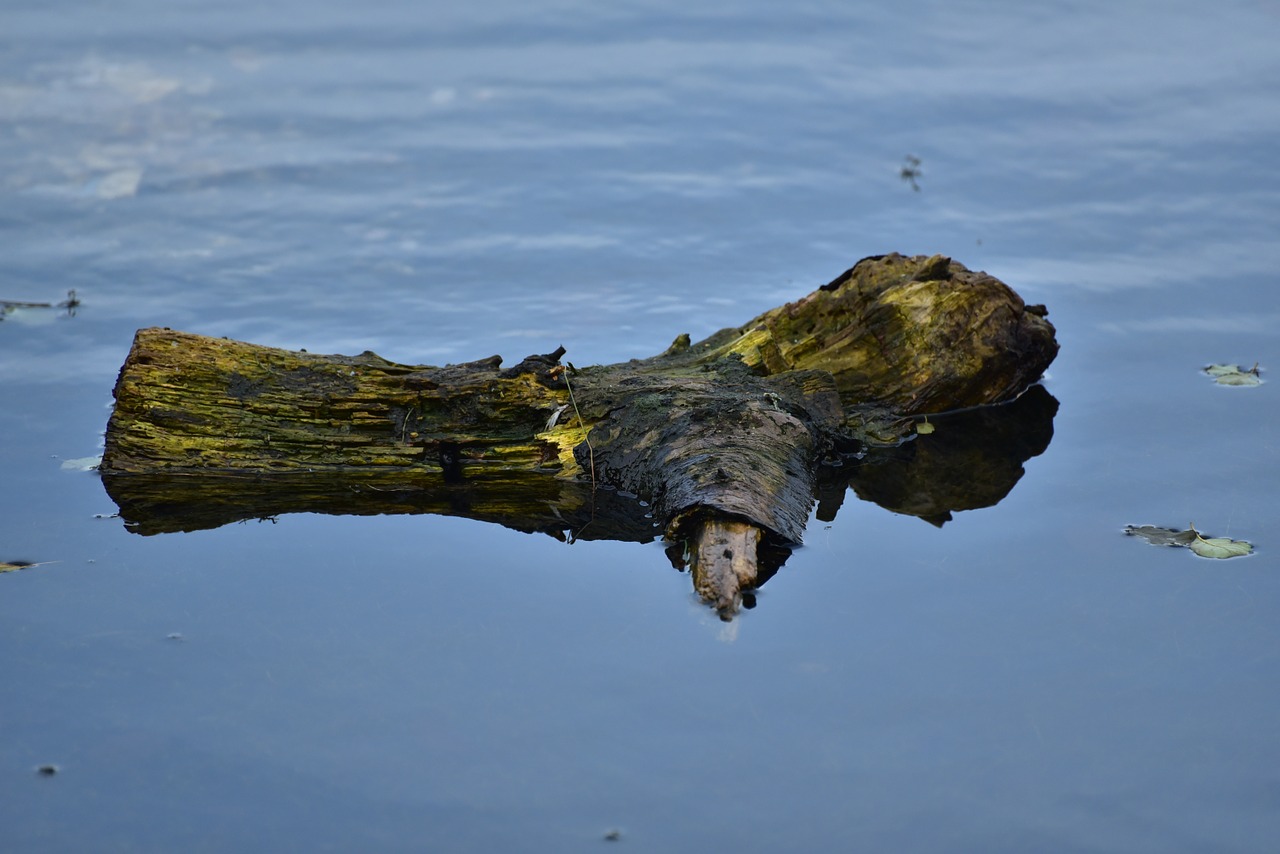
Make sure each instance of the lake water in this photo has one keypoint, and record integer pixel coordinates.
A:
(438, 182)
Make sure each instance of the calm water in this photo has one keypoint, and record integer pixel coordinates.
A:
(439, 182)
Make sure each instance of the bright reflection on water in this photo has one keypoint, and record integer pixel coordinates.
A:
(439, 182)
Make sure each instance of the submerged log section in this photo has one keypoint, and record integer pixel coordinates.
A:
(722, 439)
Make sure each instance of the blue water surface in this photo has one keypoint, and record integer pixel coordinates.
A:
(439, 182)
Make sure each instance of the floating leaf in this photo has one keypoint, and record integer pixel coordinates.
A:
(924, 428)
(1239, 379)
(1215, 547)
(1219, 547)
(1234, 375)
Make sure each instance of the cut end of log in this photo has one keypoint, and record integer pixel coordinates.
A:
(723, 559)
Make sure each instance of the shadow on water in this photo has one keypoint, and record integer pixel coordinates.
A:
(971, 459)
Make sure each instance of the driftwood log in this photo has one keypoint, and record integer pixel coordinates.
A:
(717, 445)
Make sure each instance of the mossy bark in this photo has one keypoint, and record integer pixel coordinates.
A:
(730, 428)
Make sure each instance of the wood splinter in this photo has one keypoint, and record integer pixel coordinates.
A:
(723, 561)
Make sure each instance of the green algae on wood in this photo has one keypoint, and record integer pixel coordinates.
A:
(912, 335)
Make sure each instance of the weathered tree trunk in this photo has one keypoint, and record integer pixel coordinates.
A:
(721, 439)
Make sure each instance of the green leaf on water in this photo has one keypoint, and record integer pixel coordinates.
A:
(1234, 375)
(1219, 547)
(1246, 378)
(1214, 547)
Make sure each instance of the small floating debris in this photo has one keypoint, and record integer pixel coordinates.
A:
(15, 565)
(82, 463)
(1211, 547)
(9, 306)
(910, 171)
(1235, 375)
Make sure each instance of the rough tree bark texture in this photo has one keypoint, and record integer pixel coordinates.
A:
(730, 429)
